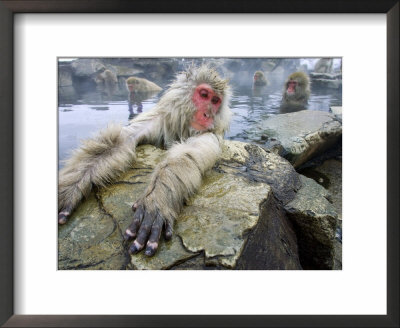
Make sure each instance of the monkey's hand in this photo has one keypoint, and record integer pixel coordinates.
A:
(173, 181)
(147, 226)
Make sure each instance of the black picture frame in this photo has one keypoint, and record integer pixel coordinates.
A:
(11, 7)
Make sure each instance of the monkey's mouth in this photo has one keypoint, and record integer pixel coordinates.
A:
(291, 88)
(199, 127)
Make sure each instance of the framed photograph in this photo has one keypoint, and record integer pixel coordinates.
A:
(71, 68)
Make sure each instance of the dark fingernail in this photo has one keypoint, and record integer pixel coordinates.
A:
(135, 247)
(151, 248)
(168, 235)
(62, 219)
(150, 252)
(63, 216)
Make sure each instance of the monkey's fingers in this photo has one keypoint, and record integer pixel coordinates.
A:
(63, 217)
(143, 233)
(135, 206)
(167, 230)
(152, 244)
(131, 232)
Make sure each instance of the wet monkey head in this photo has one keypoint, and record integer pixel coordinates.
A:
(259, 79)
(207, 104)
(296, 91)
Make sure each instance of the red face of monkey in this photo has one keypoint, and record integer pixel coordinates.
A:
(207, 103)
(291, 86)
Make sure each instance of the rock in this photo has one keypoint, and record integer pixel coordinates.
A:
(273, 243)
(208, 225)
(337, 111)
(269, 65)
(124, 71)
(64, 75)
(324, 83)
(86, 67)
(315, 220)
(331, 170)
(195, 263)
(331, 173)
(66, 90)
(91, 240)
(157, 69)
(259, 165)
(244, 179)
(326, 80)
(66, 95)
(325, 76)
(236, 220)
(302, 134)
(171, 254)
(274, 145)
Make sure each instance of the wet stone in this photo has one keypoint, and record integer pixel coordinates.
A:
(195, 263)
(331, 171)
(236, 219)
(302, 134)
(315, 220)
(169, 253)
(217, 218)
(258, 165)
(89, 240)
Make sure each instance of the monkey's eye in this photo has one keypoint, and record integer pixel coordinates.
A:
(215, 100)
(204, 93)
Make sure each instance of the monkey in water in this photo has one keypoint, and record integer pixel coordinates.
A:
(259, 79)
(296, 91)
(190, 120)
(260, 83)
(139, 90)
(323, 65)
(107, 81)
(137, 84)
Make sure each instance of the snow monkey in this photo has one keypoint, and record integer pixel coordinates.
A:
(190, 120)
(139, 90)
(137, 84)
(259, 79)
(107, 81)
(296, 91)
(323, 65)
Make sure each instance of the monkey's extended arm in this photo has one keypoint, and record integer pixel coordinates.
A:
(98, 162)
(173, 181)
(194, 111)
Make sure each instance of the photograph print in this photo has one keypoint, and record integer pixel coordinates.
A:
(200, 163)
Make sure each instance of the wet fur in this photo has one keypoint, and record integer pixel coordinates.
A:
(261, 80)
(323, 65)
(101, 160)
(142, 85)
(302, 94)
